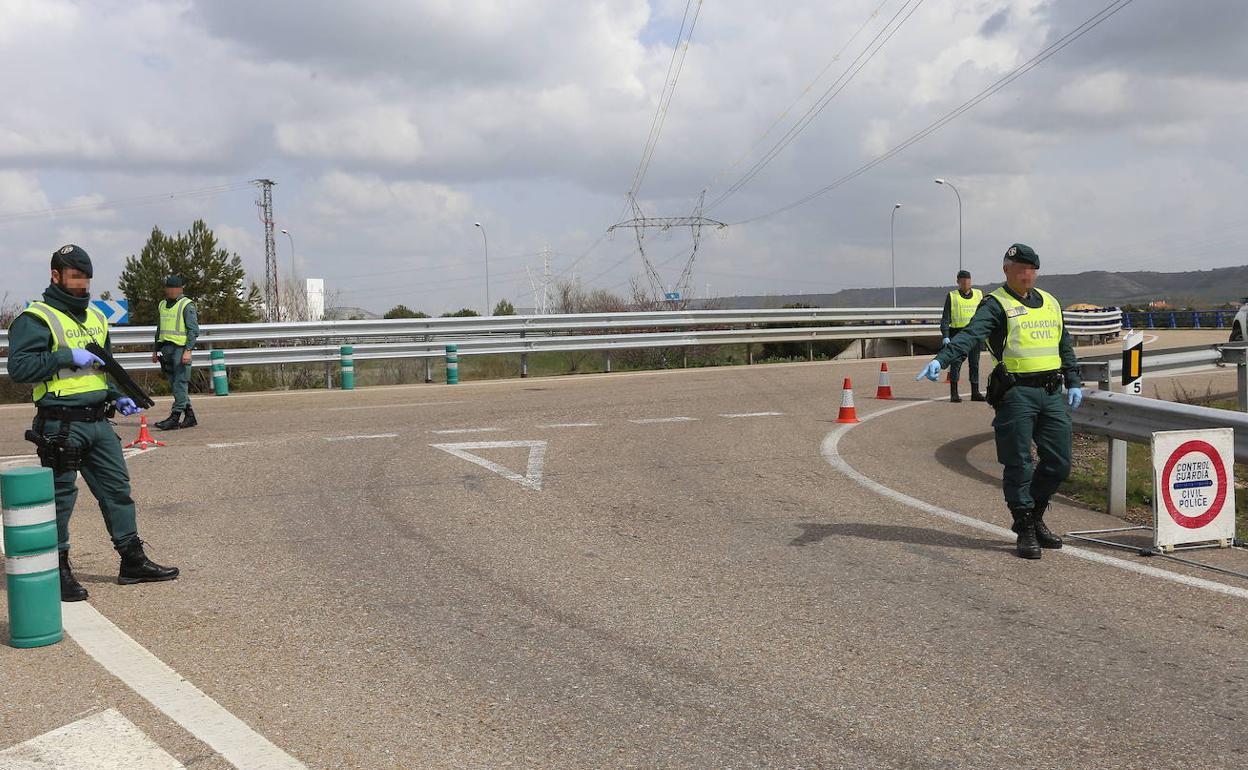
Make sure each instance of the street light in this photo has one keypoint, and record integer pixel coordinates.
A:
(892, 219)
(955, 192)
(488, 309)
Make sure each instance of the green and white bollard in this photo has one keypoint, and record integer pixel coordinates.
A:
(31, 563)
(452, 364)
(220, 377)
(348, 367)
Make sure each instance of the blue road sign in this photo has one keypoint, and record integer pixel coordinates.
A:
(671, 296)
(117, 311)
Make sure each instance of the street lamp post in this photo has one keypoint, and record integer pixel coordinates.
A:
(488, 309)
(892, 247)
(293, 277)
(949, 184)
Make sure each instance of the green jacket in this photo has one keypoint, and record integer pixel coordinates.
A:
(32, 361)
(190, 315)
(989, 324)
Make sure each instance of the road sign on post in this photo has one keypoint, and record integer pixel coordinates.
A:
(117, 311)
(1193, 488)
(671, 296)
(1133, 364)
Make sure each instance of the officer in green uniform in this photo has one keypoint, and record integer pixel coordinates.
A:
(73, 401)
(1033, 355)
(960, 306)
(176, 331)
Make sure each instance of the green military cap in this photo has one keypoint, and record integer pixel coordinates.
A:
(73, 256)
(173, 282)
(1021, 252)
(964, 274)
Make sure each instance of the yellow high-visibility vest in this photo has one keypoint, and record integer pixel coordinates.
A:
(68, 333)
(172, 324)
(961, 310)
(1033, 334)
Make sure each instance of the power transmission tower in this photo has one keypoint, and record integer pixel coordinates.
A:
(640, 223)
(541, 298)
(265, 204)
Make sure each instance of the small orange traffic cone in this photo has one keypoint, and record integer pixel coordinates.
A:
(885, 390)
(145, 438)
(847, 413)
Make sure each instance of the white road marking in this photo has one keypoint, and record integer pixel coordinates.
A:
(103, 741)
(362, 437)
(572, 425)
(392, 406)
(831, 453)
(17, 461)
(174, 696)
(753, 414)
(658, 420)
(231, 446)
(532, 478)
(450, 431)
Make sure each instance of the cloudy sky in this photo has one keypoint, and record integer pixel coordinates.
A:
(390, 126)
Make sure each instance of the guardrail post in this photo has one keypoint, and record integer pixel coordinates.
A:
(1116, 492)
(524, 361)
(347, 360)
(684, 358)
(749, 353)
(428, 370)
(1195, 319)
(31, 563)
(1174, 321)
(1241, 372)
(220, 377)
(452, 364)
(606, 361)
(810, 351)
(1151, 323)
(1217, 314)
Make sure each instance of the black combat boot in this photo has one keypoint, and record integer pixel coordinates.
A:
(976, 395)
(170, 422)
(188, 419)
(954, 398)
(1028, 547)
(1045, 536)
(137, 568)
(71, 589)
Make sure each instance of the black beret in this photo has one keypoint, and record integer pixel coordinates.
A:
(964, 274)
(173, 282)
(73, 256)
(1021, 252)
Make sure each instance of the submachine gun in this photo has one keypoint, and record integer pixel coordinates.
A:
(120, 376)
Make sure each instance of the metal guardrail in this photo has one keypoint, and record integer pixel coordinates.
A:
(427, 337)
(1093, 323)
(1136, 418)
(1105, 368)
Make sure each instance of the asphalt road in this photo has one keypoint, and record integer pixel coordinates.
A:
(678, 593)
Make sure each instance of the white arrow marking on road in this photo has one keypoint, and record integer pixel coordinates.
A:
(753, 414)
(532, 478)
(657, 420)
(449, 431)
(103, 741)
(362, 438)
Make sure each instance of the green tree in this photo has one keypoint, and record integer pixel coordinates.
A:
(504, 307)
(403, 311)
(212, 276)
(462, 313)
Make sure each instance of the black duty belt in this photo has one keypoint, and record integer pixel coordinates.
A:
(73, 413)
(1038, 379)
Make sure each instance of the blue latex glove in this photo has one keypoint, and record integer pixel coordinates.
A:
(84, 359)
(931, 371)
(127, 407)
(944, 341)
(1074, 397)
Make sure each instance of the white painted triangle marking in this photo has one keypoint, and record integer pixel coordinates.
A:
(103, 741)
(532, 478)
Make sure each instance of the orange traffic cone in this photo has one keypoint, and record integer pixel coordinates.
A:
(145, 438)
(847, 413)
(885, 390)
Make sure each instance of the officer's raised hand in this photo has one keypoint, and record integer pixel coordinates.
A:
(84, 359)
(127, 407)
(1074, 397)
(931, 371)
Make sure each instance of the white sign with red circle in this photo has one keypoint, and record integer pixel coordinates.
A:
(1193, 486)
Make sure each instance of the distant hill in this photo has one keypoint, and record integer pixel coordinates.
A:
(1196, 288)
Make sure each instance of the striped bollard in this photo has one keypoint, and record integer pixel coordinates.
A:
(452, 364)
(31, 563)
(220, 378)
(348, 367)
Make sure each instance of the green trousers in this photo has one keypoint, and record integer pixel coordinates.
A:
(1029, 416)
(972, 361)
(179, 375)
(104, 470)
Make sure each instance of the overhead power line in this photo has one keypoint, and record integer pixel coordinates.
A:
(1087, 26)
(139, 200)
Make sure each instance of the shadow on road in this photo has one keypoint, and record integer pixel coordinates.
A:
(953, 456)
(814, 533)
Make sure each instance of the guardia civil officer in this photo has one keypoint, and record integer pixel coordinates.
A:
(47, 344)
(1023, 328)
(177, 328)
(960, 306)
